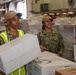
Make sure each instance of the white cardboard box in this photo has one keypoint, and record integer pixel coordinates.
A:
(18, 52)
(48, 63)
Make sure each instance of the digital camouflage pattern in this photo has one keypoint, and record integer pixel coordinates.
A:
(53, 41)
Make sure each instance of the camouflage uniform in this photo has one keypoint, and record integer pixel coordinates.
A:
(53, 41)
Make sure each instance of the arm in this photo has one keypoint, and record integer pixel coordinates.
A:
(40, 42)
(1, 41)
(61, 44)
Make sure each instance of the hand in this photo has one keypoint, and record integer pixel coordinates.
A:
(59, 54)
(42, 48)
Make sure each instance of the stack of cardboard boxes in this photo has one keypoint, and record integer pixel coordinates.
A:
(48, 63)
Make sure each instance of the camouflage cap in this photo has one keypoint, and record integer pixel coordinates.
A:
(46, 18)
(9, 15)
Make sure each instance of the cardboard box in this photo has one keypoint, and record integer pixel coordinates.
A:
(18, 52)
(70, 71)
(48, 63)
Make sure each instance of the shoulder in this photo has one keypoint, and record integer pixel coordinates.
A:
(56, 32)
(3, 31)
(19, 30)
(2, 35)
(41, 33)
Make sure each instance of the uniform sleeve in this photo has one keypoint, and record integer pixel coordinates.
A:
(61, 44)
(39, 38)
(1, 41)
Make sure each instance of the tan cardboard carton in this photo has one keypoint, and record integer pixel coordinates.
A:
(69, 71)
